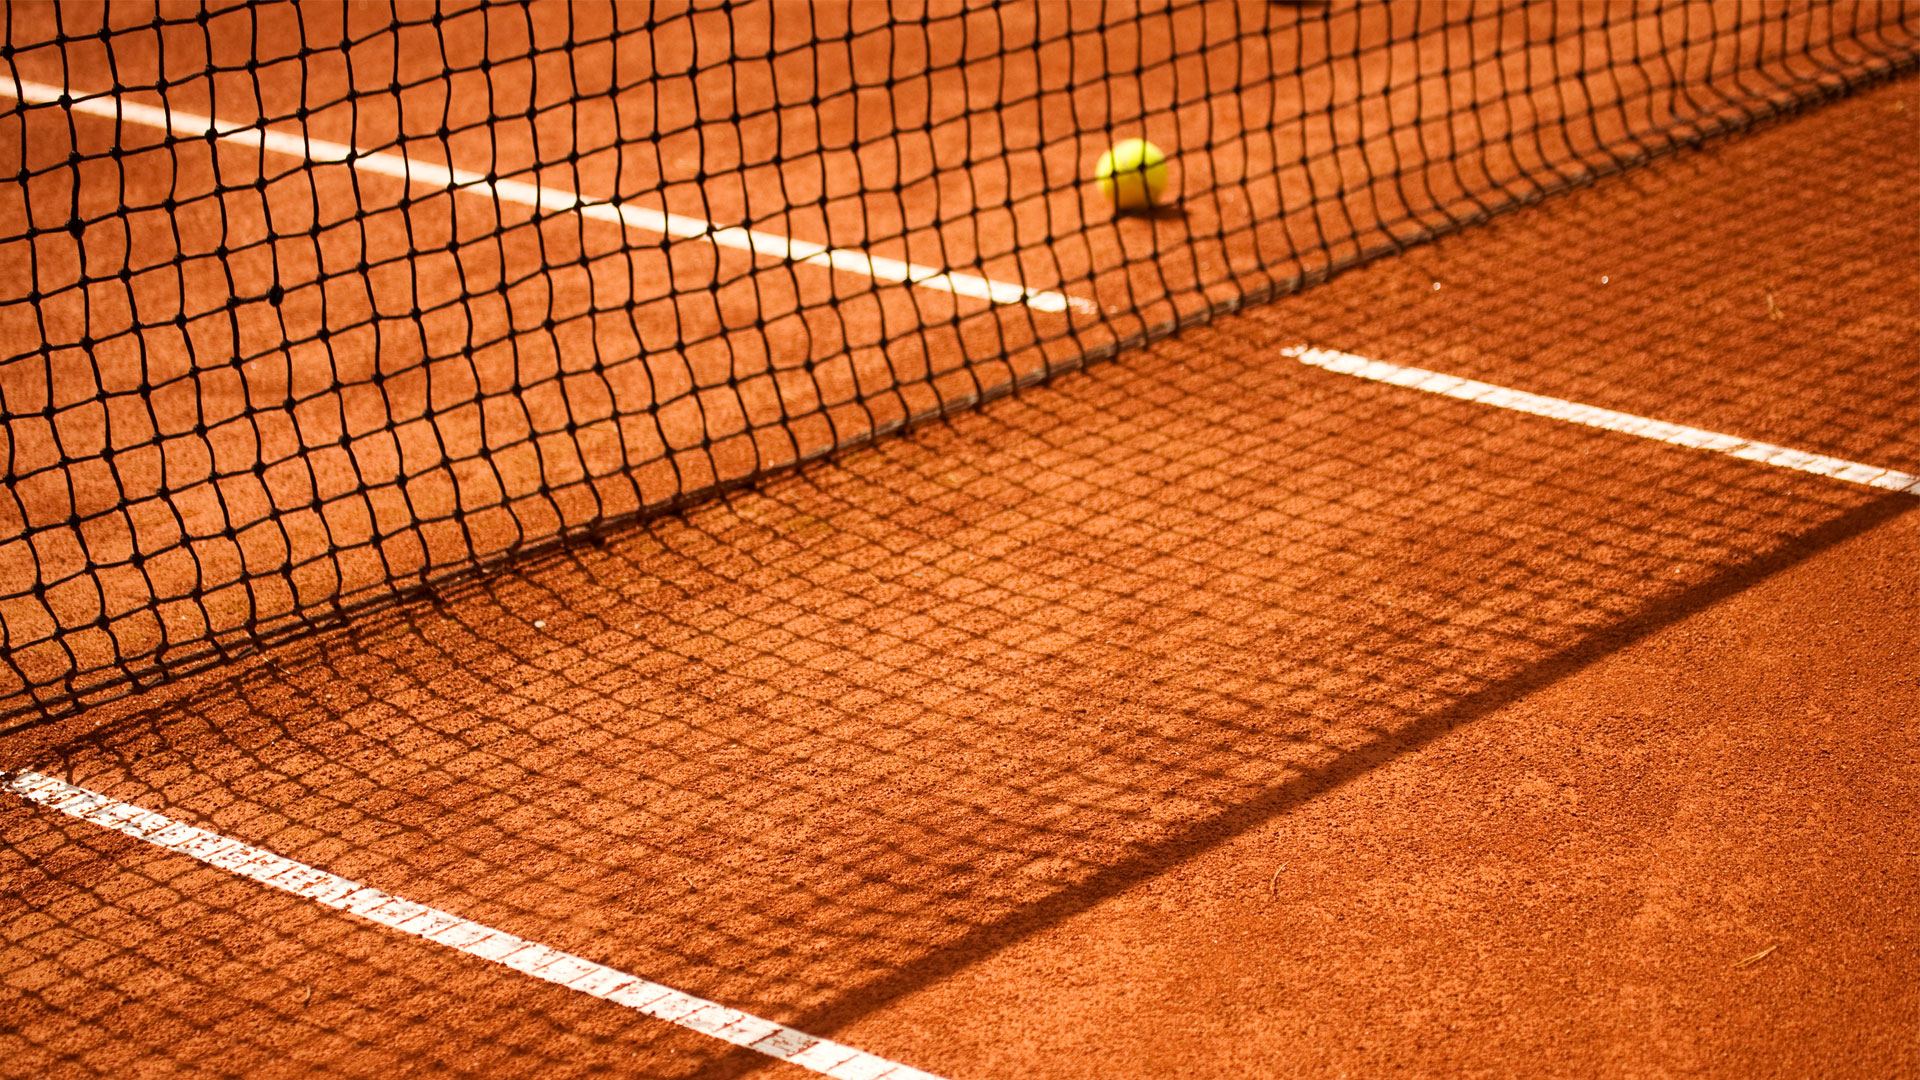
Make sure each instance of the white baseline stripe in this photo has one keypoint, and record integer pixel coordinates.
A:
(320, 151)
(1520, 401)
(442, 928)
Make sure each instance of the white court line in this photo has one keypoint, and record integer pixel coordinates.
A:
(413, 171)
(527, 957)
(1659, 430)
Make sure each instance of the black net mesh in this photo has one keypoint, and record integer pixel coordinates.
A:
(312, 305)
(807, 747)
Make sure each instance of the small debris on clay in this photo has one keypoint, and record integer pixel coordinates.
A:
(1274, 881)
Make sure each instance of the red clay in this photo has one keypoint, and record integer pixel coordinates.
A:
(372, 383)
(1565, 887)
(985, 748)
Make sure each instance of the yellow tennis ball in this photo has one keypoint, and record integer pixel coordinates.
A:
(1133, 174)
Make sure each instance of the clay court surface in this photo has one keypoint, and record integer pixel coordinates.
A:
(1198, 712)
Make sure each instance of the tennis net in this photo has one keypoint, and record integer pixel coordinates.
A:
(313, 306)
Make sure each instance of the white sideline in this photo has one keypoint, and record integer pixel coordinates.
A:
(320, 151)
(530, 958)
(1501, 397)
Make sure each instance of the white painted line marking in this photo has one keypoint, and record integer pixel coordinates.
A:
(442, 928)
(772, 245)
(1659, 430)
